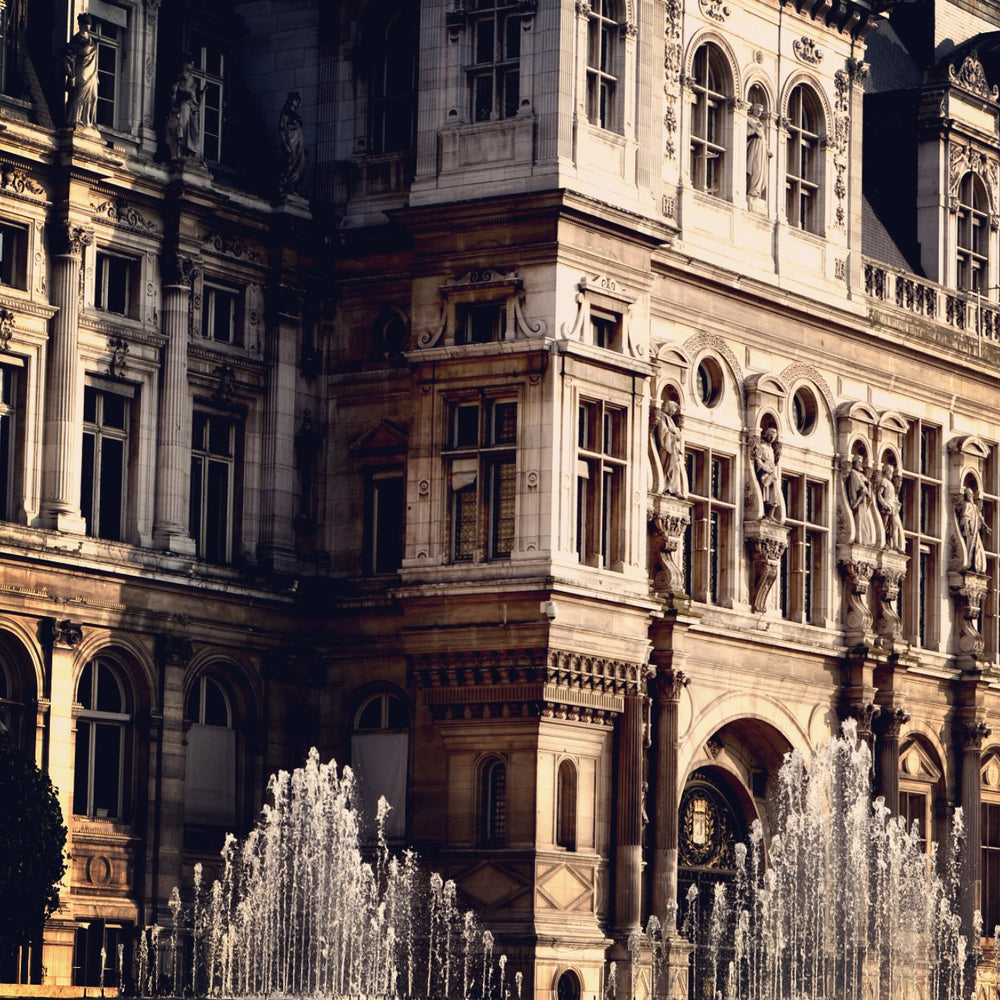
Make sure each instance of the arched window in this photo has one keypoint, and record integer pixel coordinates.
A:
(710, 119)
(972, 274)
(379, 757)
(568, 987)
(803, 167)
(393, 88)
(604, 54)
(102, 731)
(566, 806)
(210, 778)
(10, 703)
(493, 802)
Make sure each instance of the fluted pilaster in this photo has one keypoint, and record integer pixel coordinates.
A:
(628, 826)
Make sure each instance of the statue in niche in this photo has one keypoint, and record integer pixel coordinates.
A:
(757, 154)
(292, 145)
(765, 456)
(183, 129)
(80, 66)
(860, 500)
(670, 447)
(972, 525)
(887, 498)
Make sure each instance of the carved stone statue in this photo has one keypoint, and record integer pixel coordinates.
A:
(972, 525)
(887, 498)
(860, 500)
(183, 129)
(80, 65)
(670, 448)
(292, 145)
(766, 455)
(757, 154)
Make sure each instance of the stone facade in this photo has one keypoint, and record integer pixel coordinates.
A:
(560, 441)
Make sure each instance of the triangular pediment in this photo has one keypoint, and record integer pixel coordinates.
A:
(917, 764)
(382, 439)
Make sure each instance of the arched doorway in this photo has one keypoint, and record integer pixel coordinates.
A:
(711, 823)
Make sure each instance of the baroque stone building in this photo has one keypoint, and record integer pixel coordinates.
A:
(557, 410)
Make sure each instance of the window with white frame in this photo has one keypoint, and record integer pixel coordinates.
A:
(102, 733)
(920, 495)
(210, 68)
(10, 376)
(495, 69)
(110, 39)
(708, 536)
(116, 280)
(213, 476)
(803, 564)
(604, 57)
(481, 457)
(210, 776)
(379, 758)
(220, 313)
(803, 163)
(973, 234)
(104, 471)
(711, 86)
(600, 484)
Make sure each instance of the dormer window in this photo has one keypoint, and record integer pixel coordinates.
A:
(972, 265)
(109, 28)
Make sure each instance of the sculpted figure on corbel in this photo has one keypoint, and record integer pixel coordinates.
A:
(764, 530)
(861, 523)
(970, 526)
(667, 449)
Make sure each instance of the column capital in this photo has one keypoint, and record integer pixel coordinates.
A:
(970, 735)
(70, 240)
(52, 632)
(178, 269)
(173, 650)
(668, 684)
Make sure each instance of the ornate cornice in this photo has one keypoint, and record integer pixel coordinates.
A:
(532, 683)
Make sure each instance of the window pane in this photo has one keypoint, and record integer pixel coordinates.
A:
(504, 494)
(216, 704)
(387, 527)
(81, 769)
(107, 768)
(111, 488)
(217, 512)
(87, 482)
(109, 693)
(465, 523)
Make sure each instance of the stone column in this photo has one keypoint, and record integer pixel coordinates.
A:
(628, 825)
(669, 684)
(169, 763)
(887, 727)
(969, 738)
(173, 454)
(59, 639)
(277, 543)
(61, 454)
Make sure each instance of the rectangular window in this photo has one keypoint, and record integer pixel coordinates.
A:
(482, 440)
(8, 437)
(480, 324)
(213, 472)
(220, 314)
(708, 537)
(211, 71)
(991, 866)
(605, 330)
(600, 484)
(103, 477)
(494, 75)
(603, 45)
(913, 809)
(109, 70)
(802, 563)
(920, 496)
(115, 284)
(386, 519)
(13, 256)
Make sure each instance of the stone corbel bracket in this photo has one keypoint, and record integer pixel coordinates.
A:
(668, 519)
(968, 590)
(858, 564)
(767, 541)
(889, 576)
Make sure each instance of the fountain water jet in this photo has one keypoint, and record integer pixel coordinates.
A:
(848, 904)
(299, 911)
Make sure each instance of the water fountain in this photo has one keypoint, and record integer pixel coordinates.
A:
(849, 904)
(299, 911)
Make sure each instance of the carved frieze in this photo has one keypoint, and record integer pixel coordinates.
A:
(232, 247)
(123, 215)
(807, 51)
(6, 328)
(971, 77)
(672, 54)
(18, 182)
(716, 10)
